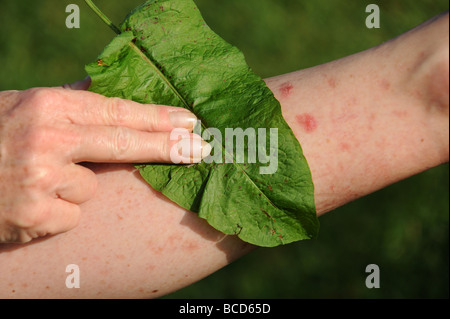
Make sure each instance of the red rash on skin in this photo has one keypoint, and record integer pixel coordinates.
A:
(400, 114)
(385, 84)
(307, 122)
(332, 82)
(286, 89)
(345, 147)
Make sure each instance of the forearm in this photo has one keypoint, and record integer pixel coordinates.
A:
(374, 118)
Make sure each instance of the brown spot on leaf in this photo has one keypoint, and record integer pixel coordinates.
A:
(101, 63)
(266, 213)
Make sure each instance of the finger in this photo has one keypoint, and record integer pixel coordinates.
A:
(79, 184)
(87, 108)
(80, 85)
(60, 217)
(103, 144)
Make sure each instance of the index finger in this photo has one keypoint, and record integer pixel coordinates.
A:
(87, 108)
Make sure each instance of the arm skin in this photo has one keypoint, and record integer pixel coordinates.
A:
(364, 122)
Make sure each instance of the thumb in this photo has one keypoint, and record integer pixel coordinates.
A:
(79, 85)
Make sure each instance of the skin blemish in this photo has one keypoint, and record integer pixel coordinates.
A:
(352, 101)
(286, 89)
(385, 84)
(120, 257)
(345, 147)
(400, 114)
(307, 122)
(332, 83)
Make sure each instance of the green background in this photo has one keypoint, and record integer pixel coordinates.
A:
(403, 228)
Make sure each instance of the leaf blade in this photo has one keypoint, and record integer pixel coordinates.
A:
(195, 69)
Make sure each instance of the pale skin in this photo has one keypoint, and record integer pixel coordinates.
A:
(364, 122)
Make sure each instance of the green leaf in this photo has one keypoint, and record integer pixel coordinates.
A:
(166, 54)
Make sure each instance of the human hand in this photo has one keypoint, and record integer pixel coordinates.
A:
(45, 133)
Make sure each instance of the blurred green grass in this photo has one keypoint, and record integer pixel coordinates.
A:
(403, 228)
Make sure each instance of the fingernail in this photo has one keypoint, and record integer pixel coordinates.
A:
(182, 120)
(194, 149)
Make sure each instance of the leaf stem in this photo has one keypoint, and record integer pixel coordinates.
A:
(102, 16)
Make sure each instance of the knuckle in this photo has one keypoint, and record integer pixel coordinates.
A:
(40, 99)
(38, 178)
(165, 148)
(153, 116)
(161, 147)
(43, 138)
(29, 217)
(117, 111)
(38, 139)
(14, 235)
(122, 143)
(24, 237)
(8, 99)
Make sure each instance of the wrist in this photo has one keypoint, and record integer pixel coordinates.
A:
(420, 74)
(429, 83)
